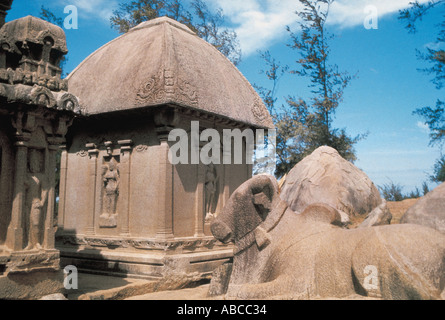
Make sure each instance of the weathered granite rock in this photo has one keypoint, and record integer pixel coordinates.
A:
(325, 177)
(378, 217)
(283, 255)
(429, 210)
(220, 280)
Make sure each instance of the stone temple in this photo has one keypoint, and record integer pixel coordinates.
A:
(124, 208)
(35, 113)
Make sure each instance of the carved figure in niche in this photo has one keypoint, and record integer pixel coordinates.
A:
(37, 195)
(210, 189)
(28, 79)
(111, 192)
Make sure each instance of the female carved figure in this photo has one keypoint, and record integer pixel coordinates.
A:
(36, 199)
(211, 179)
(111, 187)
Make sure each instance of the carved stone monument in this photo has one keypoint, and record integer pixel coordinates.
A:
(282, 254)
(124, 207)
(35, 112)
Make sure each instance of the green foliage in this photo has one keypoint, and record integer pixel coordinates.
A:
(434, 117)
(435, 120)
(393, 192)
(439, 170)
(207, 24)
(47, 15)
(425, 188)
(304, 125)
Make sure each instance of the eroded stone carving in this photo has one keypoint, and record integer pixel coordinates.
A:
(141, 148)
(210, 188)
(282, 254)
(36, 199)
(111, 193)
(258, 110)
(153, 90)
(167, 85)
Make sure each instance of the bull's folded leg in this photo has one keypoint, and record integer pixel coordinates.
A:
(262, 291)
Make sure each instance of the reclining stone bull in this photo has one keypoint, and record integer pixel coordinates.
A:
(280, 254)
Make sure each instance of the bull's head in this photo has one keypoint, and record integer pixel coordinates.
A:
(246, 209)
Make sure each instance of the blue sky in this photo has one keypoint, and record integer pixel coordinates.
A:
(380, 101)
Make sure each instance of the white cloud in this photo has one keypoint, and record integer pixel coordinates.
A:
(259, 23)
(102, 9)
(423, 126)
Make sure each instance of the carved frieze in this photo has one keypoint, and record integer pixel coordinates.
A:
(141, 148)
(43, 97)
(153, 90)
(142, 244)
(166, 85)
(258, 110)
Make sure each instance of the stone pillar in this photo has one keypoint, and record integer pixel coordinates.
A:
(200, 201)
(166, 197)
(53, 147)
(93, 153)
(62, 186)
(14, 240)
(165, 121)
(125, 194)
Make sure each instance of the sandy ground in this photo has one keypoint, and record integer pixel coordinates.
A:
(199, 293)
(398, 209)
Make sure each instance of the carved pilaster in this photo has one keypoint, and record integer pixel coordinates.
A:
(125, 194)
(62, 186)
(200, 202)
(166, 196)
(49, 235)
(14, 240)
(165, 121)
(200, 196)
(93, 153)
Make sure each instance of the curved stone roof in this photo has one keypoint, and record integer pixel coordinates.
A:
(35, 30)
(163, 62)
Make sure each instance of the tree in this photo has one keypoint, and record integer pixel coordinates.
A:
(434, 117)
(207, 24)
(303, 125)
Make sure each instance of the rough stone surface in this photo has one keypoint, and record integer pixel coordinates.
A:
(220, 280)
(325, 177)
(283, 255)
(378, 217)
(429, 210)
(31, 285)
(160, 62)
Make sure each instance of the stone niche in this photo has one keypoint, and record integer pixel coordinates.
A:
(124, 208)
(35, 113)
